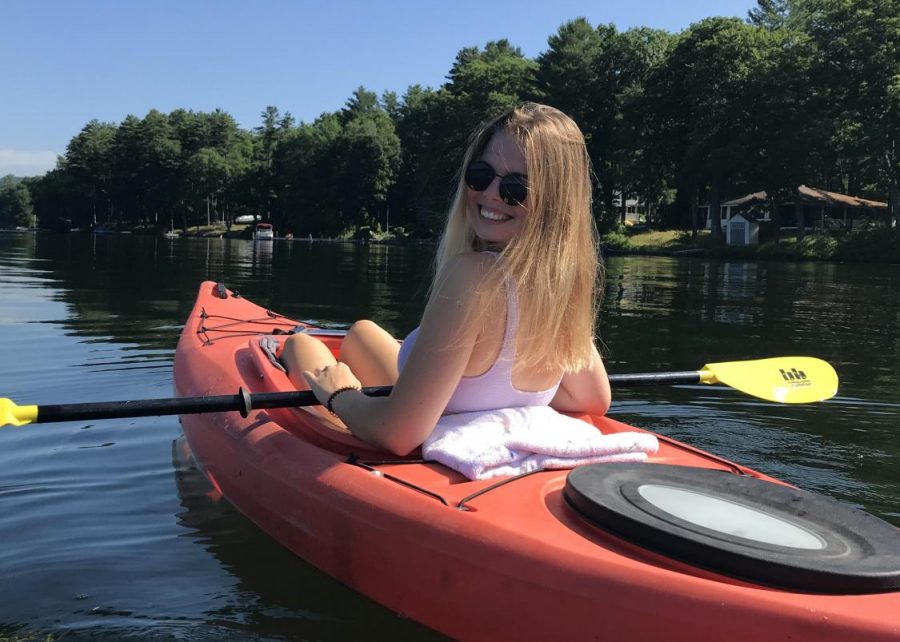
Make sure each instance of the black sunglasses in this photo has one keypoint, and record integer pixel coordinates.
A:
(513, 187)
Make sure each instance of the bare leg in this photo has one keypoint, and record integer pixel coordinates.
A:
(371, 352)
(302, 352)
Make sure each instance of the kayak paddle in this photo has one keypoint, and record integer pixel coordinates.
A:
(780, 379)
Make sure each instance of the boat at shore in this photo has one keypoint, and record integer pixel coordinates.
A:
(606, 551)
(264, 232)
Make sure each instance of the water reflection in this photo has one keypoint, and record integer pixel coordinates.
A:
(664, 314)
(88, 318)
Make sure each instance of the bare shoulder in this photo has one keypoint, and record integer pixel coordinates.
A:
(474, 262)
(465, 271)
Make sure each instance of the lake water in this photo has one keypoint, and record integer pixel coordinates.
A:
(107, 534)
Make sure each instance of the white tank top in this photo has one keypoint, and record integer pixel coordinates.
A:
(492, 389)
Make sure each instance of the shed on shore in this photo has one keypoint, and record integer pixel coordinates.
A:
(742, 230)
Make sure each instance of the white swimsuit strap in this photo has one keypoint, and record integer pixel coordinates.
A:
(508, 349)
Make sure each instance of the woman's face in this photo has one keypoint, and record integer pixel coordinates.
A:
(492, 219)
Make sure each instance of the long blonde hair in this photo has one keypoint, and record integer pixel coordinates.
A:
(554, 259)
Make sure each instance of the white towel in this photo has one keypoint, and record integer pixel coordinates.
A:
(511, 441)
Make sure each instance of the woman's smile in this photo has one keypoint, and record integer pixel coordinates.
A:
(491, 215)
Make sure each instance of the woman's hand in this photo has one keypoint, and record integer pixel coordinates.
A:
(325, 380)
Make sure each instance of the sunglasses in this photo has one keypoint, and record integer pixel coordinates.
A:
(513, 186)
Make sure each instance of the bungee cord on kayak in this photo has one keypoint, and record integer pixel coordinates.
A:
(271, 320)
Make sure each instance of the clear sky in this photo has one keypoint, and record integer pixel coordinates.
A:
(67, 62)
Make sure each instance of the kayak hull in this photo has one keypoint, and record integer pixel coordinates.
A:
(516, 562)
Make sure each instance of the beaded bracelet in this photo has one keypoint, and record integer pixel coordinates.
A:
(328, 404)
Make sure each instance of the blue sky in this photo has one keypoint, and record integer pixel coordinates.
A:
(68, 62)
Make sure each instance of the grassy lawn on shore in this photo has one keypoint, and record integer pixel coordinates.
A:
(869, 246)
(653, 240)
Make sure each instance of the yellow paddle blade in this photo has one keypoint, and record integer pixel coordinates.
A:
(781, 379)
(11, 414)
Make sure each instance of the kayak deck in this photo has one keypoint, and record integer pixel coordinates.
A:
(484, 559)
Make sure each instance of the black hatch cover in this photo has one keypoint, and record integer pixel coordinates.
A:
(741, 526)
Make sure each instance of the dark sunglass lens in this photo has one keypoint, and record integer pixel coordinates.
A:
(514, 189)
(479, 176)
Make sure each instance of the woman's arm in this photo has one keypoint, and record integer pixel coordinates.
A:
(401, 422)
(586, 390)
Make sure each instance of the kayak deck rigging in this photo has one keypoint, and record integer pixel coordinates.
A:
(269, 321)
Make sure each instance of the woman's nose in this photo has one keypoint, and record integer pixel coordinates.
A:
(493, 190)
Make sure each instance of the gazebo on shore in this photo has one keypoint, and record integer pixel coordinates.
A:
(819, 209)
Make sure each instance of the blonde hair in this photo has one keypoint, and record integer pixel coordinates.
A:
(554, 258)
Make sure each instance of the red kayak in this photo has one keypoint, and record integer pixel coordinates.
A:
(687, 546)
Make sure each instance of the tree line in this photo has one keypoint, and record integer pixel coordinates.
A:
(801, 92)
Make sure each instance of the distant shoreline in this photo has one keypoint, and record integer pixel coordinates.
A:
(871, 246)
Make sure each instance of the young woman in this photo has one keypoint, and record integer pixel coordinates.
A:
(510, 318)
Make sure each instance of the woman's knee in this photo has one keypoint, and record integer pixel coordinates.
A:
(298, 343)
(364, 327)
(371, 352)
(304, 350)
(367, 336)
(361, 333)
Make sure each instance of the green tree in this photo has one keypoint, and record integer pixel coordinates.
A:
(208, 171)
(265, 190)
(481, 84)
(770, 14)
(88, 160)
(787, 144)
(569, 78)
(161, 167)
(857, 65)
(568, 71)
(239, 160)
(51, 196)
(629, 60)
(128, 180)
(16, 209)
(425, 178)
(366, 156)
(491, 80)
(312, 204)
(702, 121)
(597, 76)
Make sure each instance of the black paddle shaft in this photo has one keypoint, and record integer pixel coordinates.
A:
(654, 378)
(244, 401)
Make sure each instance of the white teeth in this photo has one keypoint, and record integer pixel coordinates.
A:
(494, 216)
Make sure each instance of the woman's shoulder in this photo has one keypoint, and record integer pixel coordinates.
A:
(463, 275)
(472, 265)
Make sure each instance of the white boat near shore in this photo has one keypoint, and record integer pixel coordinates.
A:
(264, 232)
